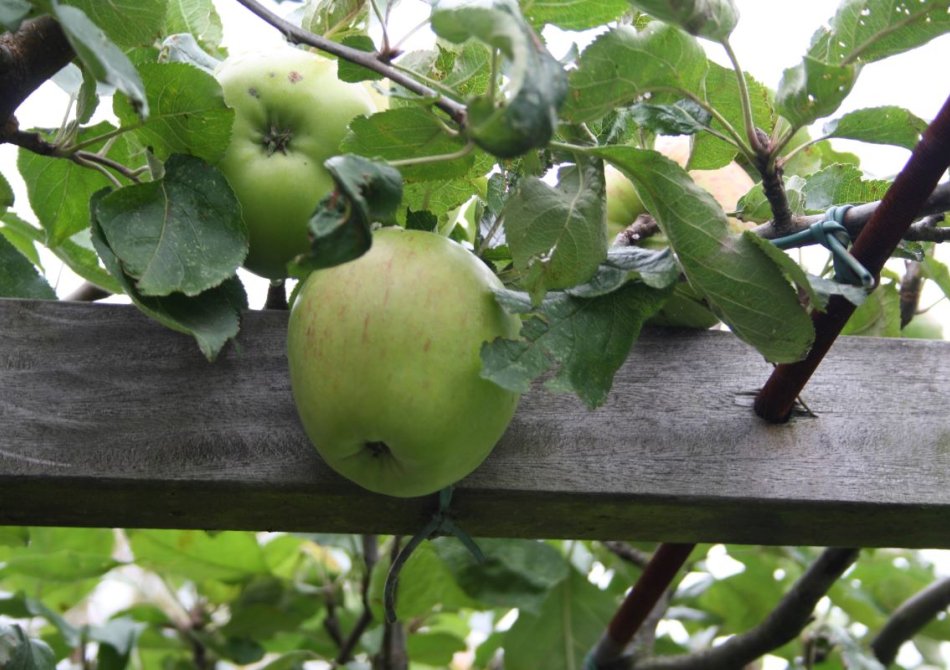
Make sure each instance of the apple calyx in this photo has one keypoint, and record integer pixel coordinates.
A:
(277, 139)
(378, 449)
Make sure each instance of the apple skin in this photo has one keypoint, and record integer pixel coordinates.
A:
(385, 364)
(726, 184)
(290, 113)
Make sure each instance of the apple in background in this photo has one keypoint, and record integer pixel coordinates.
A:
(726, 184)
(290, 113)
(385, 364)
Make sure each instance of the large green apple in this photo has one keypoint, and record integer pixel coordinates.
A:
(290, 113)
(385, 363)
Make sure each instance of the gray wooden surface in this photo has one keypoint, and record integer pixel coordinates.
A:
(108, 419)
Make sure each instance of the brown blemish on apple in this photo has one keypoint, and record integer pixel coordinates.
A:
(293, 77)
(428, 344)
(253, 92)
(366, 328)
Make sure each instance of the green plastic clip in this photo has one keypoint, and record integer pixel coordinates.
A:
(831, 234)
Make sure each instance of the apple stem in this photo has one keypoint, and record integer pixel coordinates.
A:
(439, 525)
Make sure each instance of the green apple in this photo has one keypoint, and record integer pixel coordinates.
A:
(290, 113)
(385, 364)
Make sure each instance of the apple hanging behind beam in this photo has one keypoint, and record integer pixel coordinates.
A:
(109, 419)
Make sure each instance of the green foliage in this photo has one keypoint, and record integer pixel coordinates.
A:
(138, 208)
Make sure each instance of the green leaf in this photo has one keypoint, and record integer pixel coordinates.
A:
(722, 93)
(573, 15)
(352, 72)
(878, 125)
(187, 112)
(425, 583)
(117, 639)
(87, 97)
(6, 195)
(76, 252)
(267, 606)
(712, 19)
(869, 30)
(684, 117)
(435, 649)
(336, 19)
(841, 184)
(794, 272)
(558, 235)
(655, 267)
(99, 54)
(128, 23)
(62, 565)
(18, 652)
(183, 233)
(228, 556)
(536, 84)
(570, 622)
(937, 272)
(739, 282)
(12, 13)
(587, 339)
(212, 317)
(408, 132)
(878, 316)
(19, 278)
(59, 190)
(813, 89)
(366, 192)
(196, 18)
(14, 536)
(293, 660)
(623, 64)
(515, 573)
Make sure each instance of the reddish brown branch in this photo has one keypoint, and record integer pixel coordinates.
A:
(28, 57)
(900, 206)
(639, 603)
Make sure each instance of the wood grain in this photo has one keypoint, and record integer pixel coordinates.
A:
(108, 419)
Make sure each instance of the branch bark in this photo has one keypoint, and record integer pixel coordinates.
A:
(912, 615)
(897, 210)
(858, 216)
(28, 57)
(639, 603)
(781, 626)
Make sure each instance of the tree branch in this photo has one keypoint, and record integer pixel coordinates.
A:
(370, 557)
(858, 216)
(902, 203)
(912, 615)
(28, 57)
(627, 553)
(370, 61)
(781, 626)
(636, 608)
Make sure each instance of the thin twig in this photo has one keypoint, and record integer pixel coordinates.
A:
(370, 61)
(912, 615)
(628, 553)
(370, 558)
(782, 625)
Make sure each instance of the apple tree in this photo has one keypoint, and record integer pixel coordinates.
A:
(180, 168)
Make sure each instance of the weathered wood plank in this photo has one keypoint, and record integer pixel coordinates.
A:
(108, 419)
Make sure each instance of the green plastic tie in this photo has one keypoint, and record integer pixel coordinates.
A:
(440, 524)
(831, 234)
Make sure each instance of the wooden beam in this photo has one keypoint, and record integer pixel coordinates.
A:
(108, 419)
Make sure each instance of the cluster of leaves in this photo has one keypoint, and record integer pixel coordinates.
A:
(189, 599)
(139, 207)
